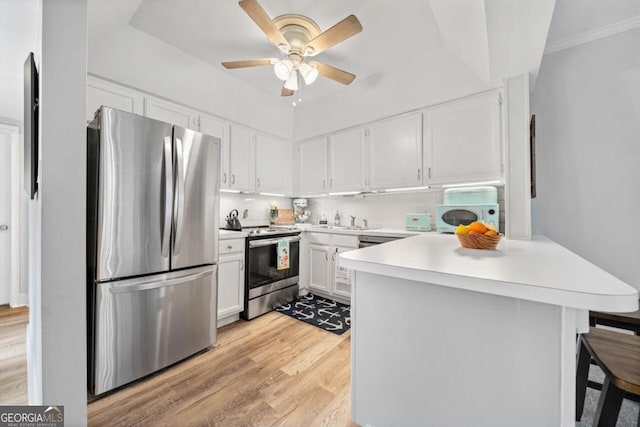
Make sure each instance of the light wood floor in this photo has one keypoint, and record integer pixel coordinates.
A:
(271, 371)
(13, 355)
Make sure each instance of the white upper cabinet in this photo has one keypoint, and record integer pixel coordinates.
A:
(215, 127)
(169, 112)
(395, 152)
(313, 167)
(101, 92)
(270, 165)
(347, 161)
(462, 140)
(241, 159)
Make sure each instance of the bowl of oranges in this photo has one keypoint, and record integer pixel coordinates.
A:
(478, 235)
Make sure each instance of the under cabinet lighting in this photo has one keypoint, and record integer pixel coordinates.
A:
(393, 190)
(225, 190)
(271, 194)
(310, 196)
(469, 184)
(344, 193)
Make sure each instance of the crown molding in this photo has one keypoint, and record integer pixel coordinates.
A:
(589, 36)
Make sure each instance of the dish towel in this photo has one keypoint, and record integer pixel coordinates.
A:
(283, 254)
(343, 275)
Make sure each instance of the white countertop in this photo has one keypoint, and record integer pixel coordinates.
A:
(230, 234)
(381, 232)
(537, 270)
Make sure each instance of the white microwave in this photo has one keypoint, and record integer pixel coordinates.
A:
(450, 216)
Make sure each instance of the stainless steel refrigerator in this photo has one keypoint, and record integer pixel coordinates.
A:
(152, 245)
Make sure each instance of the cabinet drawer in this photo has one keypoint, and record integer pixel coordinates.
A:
(342, 240)
(319, 238)
(231, 246)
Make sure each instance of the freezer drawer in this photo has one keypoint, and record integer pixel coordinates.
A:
(145, 324)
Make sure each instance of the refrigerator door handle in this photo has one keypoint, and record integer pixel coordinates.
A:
(145, 283)
(178, 207)
(168, 197)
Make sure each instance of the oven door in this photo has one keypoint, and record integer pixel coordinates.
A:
(263, 275)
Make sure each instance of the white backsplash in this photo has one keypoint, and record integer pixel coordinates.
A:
(381, 210)
(257, 207)
(384, 210)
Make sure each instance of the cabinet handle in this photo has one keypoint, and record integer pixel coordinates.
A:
(241, 265)
(429, 172)
(333, 256)
(324, 183)
(229, 247)
(418, 173)
(258, 181)
(224, 178)
(326, 256)
(233, 178)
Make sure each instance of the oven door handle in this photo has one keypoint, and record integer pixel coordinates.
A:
(269, 242)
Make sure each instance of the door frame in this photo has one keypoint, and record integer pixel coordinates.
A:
(15, 298)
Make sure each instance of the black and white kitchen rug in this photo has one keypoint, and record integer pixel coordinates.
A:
(324, 313)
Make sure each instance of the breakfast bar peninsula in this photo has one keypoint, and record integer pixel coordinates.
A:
(447, 336)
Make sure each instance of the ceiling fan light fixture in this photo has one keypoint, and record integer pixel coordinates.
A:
(283, 69)
(292, 81)
(309, 73)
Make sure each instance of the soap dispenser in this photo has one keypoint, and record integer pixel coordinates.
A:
(336, 219)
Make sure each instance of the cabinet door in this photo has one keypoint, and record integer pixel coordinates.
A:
(100, 92)
(319, 266)
(463, 140)
(241, 159)
(214, 127)
(313, 167)
(230, 285)
(395, 152)
(342, 279)
(270, 164)
(169, 112)
(347, 161)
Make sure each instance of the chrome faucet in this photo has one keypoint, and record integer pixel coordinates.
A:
(353, 220)
(366, 223)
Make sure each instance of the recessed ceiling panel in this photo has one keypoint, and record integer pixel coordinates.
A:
(394, 33)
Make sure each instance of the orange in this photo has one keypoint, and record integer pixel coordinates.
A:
(491, 233)
(462, 229)
(478, 226)
(475, 232)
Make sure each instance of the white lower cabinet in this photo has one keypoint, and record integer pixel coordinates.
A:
(319, 279)
(322, 253)
(230, 280)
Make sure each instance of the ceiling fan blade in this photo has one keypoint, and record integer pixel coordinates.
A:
(247, 63)
(344, 29)
(333, 73)
(260, 17)
(286, 92)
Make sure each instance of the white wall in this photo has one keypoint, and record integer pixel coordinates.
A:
(57, 370)
(134, 58)
(18, 37)
(587, 106)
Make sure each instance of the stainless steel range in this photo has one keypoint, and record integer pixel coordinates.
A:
(271, 276)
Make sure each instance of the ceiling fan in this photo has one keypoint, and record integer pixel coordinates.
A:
(298, 37)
